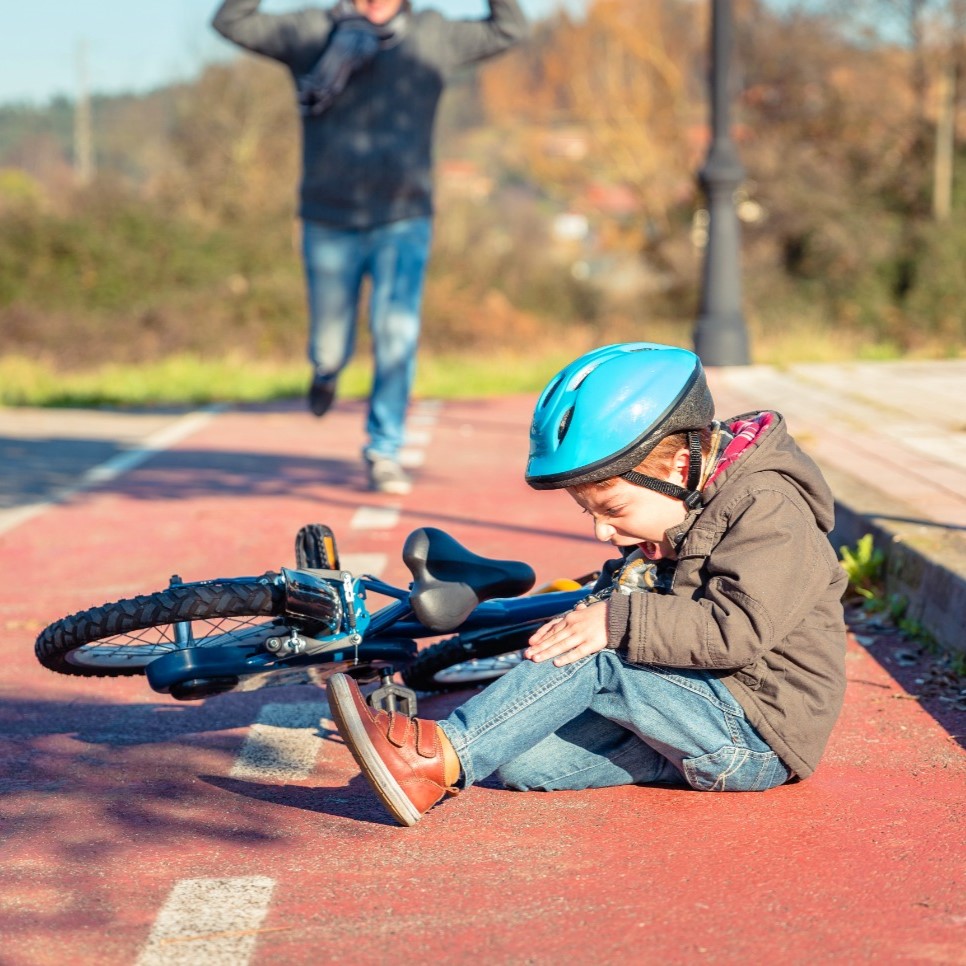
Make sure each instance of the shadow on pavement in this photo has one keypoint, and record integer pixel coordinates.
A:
(188, 474)
(85, 779)
(355, 801)
(37, 469)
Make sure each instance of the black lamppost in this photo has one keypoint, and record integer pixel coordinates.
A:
(720, 336)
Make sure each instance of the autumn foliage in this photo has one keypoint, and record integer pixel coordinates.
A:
(567, 193)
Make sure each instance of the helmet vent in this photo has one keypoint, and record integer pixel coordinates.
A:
(564, 424)
(577, 381)
(550, 390)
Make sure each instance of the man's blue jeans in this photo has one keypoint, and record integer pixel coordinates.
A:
(394, 256)
(602, 722)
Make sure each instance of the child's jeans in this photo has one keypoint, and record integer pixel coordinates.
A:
(601, 722)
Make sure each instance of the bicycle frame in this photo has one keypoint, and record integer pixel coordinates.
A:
(327, 620)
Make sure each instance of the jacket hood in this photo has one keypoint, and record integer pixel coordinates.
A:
(765, 446)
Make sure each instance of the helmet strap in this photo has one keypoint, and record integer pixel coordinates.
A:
(691, 496)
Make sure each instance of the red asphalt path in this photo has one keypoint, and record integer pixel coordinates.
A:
(126, 838)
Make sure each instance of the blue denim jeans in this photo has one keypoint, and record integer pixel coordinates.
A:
(394, 256)
(601, 722)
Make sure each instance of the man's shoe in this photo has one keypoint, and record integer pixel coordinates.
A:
(387, 476)
(321, 394)
(402, 757)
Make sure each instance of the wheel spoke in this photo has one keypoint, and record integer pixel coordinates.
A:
(140, 647)
(478, 669)
(123, 637)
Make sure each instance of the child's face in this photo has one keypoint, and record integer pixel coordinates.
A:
(626, 515)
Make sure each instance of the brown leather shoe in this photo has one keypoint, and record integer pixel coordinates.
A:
(402, 757)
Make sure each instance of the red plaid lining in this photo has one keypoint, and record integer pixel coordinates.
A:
(746, 434)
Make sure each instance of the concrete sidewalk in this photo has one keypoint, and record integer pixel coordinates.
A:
(891, 440)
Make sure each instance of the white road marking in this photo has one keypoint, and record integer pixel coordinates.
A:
(428, 406)
(284, 743)
(421, 419)
(114, 467)
(375, 518)
(209, 922)
(364, 563)
(13, 518)
(161, 440)
(411, 458)
(418, 437)
(424, 413)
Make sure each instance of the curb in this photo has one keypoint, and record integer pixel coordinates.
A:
(925, 563)
(905, 484)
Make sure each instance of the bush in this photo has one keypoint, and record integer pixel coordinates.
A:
(122, 281)
(934, 306)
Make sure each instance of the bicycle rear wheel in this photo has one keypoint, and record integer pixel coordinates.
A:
(479, 657)
(465, 661)
(121, 638)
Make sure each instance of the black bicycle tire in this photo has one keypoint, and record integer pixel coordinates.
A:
(211, 600)
(421, 673)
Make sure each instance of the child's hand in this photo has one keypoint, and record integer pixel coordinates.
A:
(569, 638)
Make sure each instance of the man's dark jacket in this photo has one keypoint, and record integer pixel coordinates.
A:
(367, 159)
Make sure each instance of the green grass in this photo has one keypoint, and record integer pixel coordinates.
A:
(864, 564)
(462, 377)
(176, 380)
(188, 380)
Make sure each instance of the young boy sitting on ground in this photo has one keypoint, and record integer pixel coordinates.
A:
(726, 674)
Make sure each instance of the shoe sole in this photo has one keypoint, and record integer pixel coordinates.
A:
(356, 738)
(320, 411)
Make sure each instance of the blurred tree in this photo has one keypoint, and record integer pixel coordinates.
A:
(609, 97)
(233, 144)
(848, 117)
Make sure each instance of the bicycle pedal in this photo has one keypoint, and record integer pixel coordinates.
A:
(315, 548)
(390, 696)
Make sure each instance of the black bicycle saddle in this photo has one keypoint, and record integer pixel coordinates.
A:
(449, 580)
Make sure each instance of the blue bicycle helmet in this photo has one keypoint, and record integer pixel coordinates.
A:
(601, 415)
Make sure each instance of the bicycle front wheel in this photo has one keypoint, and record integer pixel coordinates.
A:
(122, 638)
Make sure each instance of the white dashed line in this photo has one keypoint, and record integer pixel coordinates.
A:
(411, 458)
(419, 437)
(364, 563)
(284, 743)
(429, 406)
(209, 922)
(423, 414)
(375, 518)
